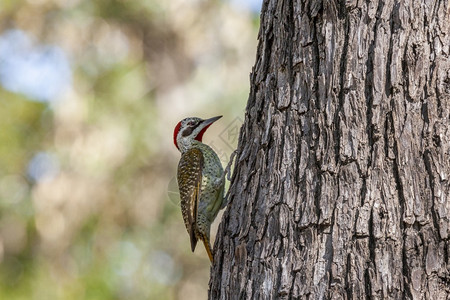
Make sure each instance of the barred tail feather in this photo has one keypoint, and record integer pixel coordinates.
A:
(193, 238)
(208, 248)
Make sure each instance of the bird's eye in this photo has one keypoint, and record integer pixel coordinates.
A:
(192, 123)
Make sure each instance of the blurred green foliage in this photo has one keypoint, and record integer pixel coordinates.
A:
(88, 201)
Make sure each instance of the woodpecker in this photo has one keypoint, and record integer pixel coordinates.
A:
(201, 180)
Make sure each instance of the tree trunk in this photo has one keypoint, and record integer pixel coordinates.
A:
(341, 184)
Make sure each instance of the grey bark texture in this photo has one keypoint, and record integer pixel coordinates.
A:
(341, 183)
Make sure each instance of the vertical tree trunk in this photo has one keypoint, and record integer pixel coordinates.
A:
(341, 186)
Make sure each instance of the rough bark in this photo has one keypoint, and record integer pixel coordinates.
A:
(341, 185)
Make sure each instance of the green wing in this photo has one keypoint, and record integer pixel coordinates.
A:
(189, 179)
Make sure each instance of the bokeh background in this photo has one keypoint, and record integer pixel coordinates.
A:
(90, 91)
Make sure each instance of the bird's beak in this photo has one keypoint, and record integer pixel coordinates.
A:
(204, 125)
(208, 122)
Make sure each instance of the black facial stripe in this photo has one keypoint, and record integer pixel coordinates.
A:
(189, 130)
